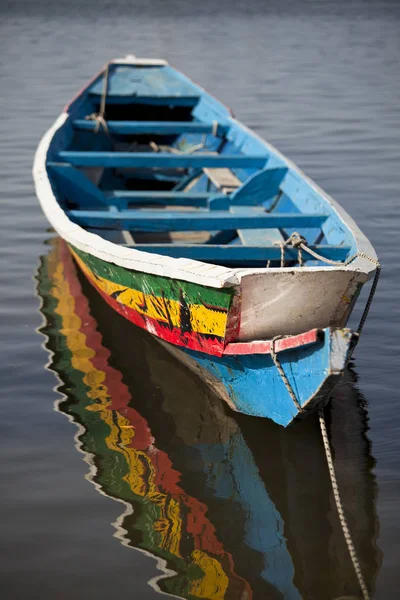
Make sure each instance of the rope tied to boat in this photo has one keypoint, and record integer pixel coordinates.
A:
(295, 240)
(100, 116)
(283, 374)
(331, 468)
(339, 507)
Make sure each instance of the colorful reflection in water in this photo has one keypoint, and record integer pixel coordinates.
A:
(192, 475)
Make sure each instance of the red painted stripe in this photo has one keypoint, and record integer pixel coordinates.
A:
(264, 346)
(173, 335)
(167, 478)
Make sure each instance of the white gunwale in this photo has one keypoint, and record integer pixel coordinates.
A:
(177, 268)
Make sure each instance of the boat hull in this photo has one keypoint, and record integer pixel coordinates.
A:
(251, 384)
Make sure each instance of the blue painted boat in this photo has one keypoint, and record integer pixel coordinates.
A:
(195, 229)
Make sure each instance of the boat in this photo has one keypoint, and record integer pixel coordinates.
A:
(198, 231)
(195, 481)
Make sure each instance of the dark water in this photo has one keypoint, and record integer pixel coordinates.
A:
(226, 503)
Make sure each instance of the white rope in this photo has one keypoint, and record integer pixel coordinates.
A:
(332, 474)
(283, 374)
(339, 507)
(100, 116)
(295, 241)
(298, 241)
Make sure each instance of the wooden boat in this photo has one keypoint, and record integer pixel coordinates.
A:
(187, 468)
(195, 229)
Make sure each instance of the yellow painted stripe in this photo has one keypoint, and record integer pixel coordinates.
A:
(141, 475)
(214, 584)
(203, 320)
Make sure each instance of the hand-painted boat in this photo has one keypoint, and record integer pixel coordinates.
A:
(187, 468)
(195, 229)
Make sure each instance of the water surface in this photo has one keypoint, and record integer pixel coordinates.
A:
(320, 81)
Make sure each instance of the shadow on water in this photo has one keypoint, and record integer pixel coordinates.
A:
(233, 507)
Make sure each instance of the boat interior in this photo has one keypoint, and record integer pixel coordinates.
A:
(149, 160)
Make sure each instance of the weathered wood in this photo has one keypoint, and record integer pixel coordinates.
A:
(164, 160)
(237, 253)
(163, 220)
(223, 178)
(254, 386)
(152, 127)
(264, 346)
(147, 84)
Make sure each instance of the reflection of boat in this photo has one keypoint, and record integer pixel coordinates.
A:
(230, 520)
(234, 271)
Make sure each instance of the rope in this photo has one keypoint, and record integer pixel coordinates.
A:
(298, 241)
(282, 373)
(332, 474)
(339, 507)
(100, 116)
(295, 241)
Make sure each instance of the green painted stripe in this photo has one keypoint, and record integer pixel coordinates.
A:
(156, 284)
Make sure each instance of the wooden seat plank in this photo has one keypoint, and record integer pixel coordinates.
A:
(223, 178)
(237, 253)
(145, 82)
(160, 159)
(196, 199)
(152, 127)
(257, 237)
(164, 220)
